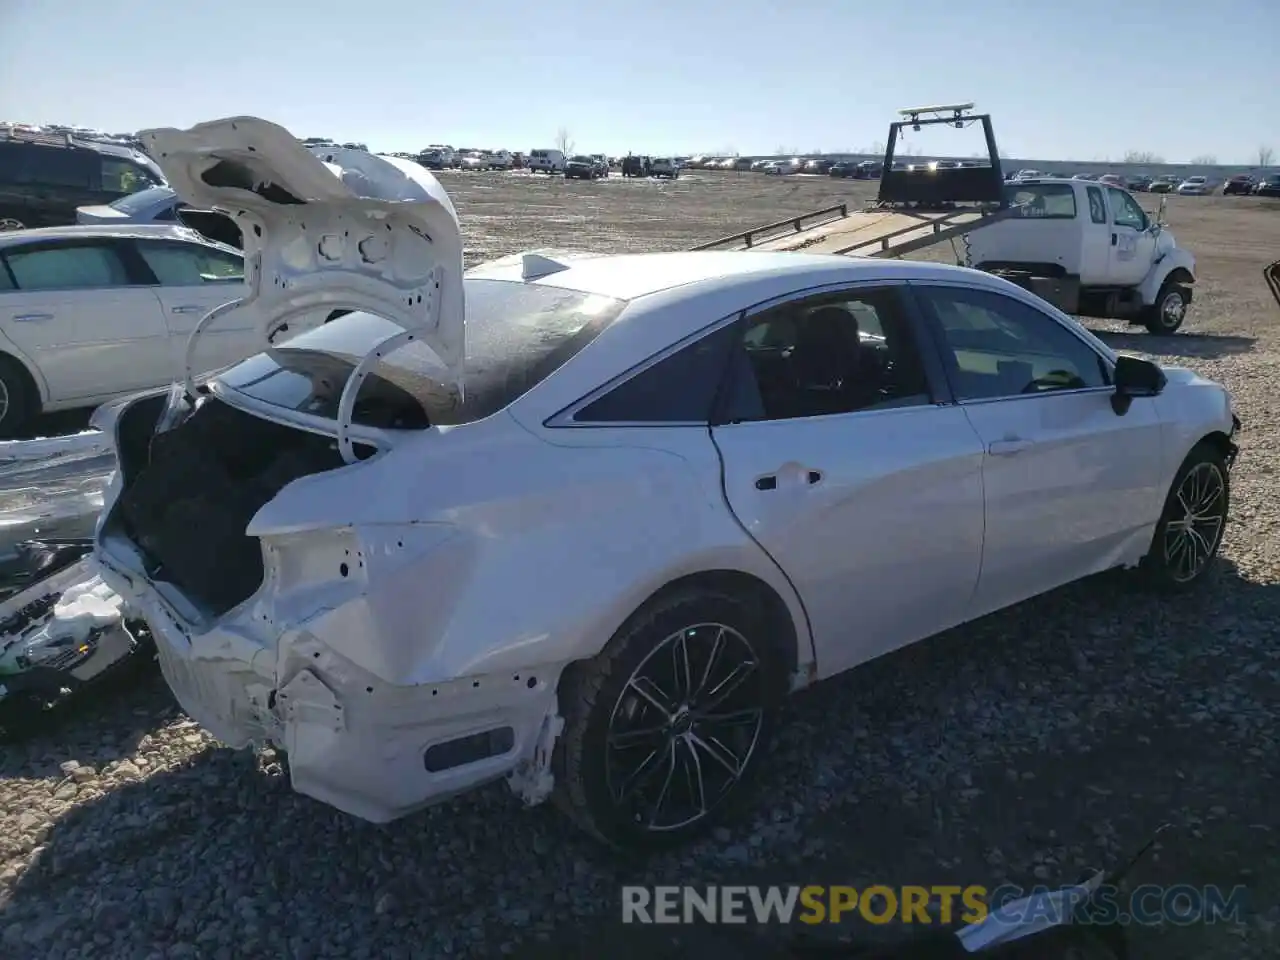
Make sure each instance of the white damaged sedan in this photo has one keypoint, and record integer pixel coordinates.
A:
(583, 522)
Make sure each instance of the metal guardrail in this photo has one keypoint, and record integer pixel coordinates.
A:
(1272, 275)
(769, 230)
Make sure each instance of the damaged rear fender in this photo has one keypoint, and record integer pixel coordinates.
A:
(464, 556)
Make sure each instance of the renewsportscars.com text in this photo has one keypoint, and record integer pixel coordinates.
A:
(1180, 904)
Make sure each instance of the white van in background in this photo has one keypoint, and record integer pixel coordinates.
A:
(545, 161)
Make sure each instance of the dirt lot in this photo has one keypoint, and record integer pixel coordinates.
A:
(1026, 747)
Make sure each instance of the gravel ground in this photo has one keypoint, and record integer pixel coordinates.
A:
(1028, 746)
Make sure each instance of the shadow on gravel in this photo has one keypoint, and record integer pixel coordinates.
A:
(1028, 747)
(87, 728)
(1206, 346)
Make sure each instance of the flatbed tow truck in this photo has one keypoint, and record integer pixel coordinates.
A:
(915, 208)
(1087, 248)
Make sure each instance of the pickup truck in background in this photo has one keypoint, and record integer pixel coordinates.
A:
(1089, 249)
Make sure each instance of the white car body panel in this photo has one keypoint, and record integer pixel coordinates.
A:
(377, 630)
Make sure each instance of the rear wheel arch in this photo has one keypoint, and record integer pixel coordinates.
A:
(736, 583)
(33, 397)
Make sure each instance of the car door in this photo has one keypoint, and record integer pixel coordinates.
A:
(1069, 484)
(1132, 244)
(79, 314)
(192, 278)
(838, 461)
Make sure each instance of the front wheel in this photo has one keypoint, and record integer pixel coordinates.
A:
(1190, 529)
(1165, 316)
(666, 727)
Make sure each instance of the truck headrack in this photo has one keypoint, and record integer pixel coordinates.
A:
(918, 205)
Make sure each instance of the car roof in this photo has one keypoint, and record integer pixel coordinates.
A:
(147, 231)
(633, 275)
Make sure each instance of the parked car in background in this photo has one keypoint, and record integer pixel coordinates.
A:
(474, 161)
(843, 169)
(749, 471)
(581, 167)
(1112, 180)
(1241, 183)
(437, 157)
(45, 178)
(869, 169)
(1194, 186)
(664, 167)
(1268, 186)
(545, 161)
(1138, 183)
(602, 164)
(151, 205)
(91, 312)
(820, 165)
(499, 160)
(1166, 183)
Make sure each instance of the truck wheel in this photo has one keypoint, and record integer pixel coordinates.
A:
(665, 728)
(1165, 316)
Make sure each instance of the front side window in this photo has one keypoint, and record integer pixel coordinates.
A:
(835, 353)
(123, 177)
(1126, 211)
(518, 334)
(67, 268)
(996, 346)
(189, 264)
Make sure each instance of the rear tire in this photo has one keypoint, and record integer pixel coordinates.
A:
(16, 406)
(665, 728)
(1189, 533)
(1166, 315)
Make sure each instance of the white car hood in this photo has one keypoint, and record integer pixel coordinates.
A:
(326, 227)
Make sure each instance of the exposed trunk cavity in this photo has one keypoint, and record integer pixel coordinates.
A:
(190, 492)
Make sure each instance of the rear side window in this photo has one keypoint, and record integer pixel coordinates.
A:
(62, 167)
(680, 388)
(189, 264)
(18, 162)
(67, 268)
(1097, 210)
(123, 177)
(1042, 201)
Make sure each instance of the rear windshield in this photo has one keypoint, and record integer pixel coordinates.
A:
(517, 335)
(143, 200)
(1043, 201)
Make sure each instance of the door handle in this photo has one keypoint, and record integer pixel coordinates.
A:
(1114, 239)
(32, 317)
(1008, 447)
(187, 308)
(813, 476)
(769, 482)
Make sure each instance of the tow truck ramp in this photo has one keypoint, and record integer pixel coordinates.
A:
(918, 205)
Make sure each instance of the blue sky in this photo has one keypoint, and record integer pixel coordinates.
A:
(1081, 79)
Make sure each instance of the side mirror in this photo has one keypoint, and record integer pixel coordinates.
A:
(1135, 377)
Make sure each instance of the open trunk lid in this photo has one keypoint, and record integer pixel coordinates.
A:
(324, 228)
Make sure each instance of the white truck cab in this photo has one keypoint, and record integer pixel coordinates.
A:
(1090, 249)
